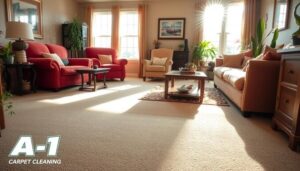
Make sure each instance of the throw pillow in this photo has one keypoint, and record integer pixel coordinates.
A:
(271, 56)
(159, 61)
(234, 61)
(105, 59)
(246, 59)
(268, 49)
(65, 61)
(248, 53)
(259, 57)
(55, 57)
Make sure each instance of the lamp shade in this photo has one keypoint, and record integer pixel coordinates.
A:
(19, 30)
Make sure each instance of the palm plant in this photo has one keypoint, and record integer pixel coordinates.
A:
(203, 51)
(257, 42)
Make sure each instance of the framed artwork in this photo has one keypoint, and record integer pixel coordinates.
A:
(28, 11)
(171, 28)
(281, 14)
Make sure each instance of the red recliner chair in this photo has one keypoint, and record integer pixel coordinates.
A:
(50, 75)
(117, 68)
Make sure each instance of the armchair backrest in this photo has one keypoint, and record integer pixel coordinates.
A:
(162, 53)
(36, 49)
(93, 52)
(59, 50)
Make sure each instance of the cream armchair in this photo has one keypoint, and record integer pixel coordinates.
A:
(154, 70)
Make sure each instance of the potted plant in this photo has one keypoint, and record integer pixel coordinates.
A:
(257, 42)
(296, 35)
(75, 36)
(202, 52)
(6, 54)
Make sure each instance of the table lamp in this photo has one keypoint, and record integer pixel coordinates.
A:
(19, 32)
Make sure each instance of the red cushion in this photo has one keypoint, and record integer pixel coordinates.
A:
(59, 50)
(36, 49)
(272, 56)
(70, 70)
(113, 67)
(94, 52)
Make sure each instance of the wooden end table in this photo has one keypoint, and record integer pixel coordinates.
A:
(92, 74)
(19, 75)
(195, 93)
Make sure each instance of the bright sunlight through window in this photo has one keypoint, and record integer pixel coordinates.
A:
(223, 25)
(102, 25)
(129, 34)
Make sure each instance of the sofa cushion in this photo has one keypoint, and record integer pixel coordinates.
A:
(113, 67)
(36, 49)
(159, 61)
(235, 77)
(271, 56)
(59, 50)
(219, 71)
(70, 70)
(155, 68)
(105, 59)
(234, 61)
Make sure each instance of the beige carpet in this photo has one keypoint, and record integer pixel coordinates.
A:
(112, 130)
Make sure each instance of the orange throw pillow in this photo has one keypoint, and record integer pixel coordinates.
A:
(271, 56)
(234, 61)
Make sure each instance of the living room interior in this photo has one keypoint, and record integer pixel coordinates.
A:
(150, 85)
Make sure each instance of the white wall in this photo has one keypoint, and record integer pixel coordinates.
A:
(54, 12)
(285, 36)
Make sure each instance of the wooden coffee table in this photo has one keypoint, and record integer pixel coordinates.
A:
(92, 74)
(197, 92)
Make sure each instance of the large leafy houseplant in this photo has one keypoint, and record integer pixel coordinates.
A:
(296, 35)
(75, 36)
(257, 42)
(203, 51)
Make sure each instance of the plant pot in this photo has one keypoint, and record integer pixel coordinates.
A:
(9, 60)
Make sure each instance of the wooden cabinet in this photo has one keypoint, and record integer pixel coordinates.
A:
(287, 116)
(179, 59)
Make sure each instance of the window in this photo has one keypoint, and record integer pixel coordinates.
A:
(223, 28)
(129, 34)
(102, 26)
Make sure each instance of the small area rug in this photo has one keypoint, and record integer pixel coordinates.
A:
(212, 96)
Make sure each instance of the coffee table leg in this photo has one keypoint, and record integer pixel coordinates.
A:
(172, 82)
(166, 87)
(95, 83)
(90, 79)
(82, 81)
(104, 80)
(202, 81)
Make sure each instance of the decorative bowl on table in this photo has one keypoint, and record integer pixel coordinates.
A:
(184, 88)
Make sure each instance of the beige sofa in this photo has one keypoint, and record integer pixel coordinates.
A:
(252, 90)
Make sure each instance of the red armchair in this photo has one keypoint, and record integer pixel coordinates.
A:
(117, 68)
(50, 75)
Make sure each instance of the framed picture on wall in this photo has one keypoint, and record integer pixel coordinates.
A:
(28, 11)
(171, 28)
(281, 14)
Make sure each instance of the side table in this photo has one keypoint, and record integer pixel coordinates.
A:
(18, 74)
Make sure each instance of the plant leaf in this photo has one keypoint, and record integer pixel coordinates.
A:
(275, 37)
